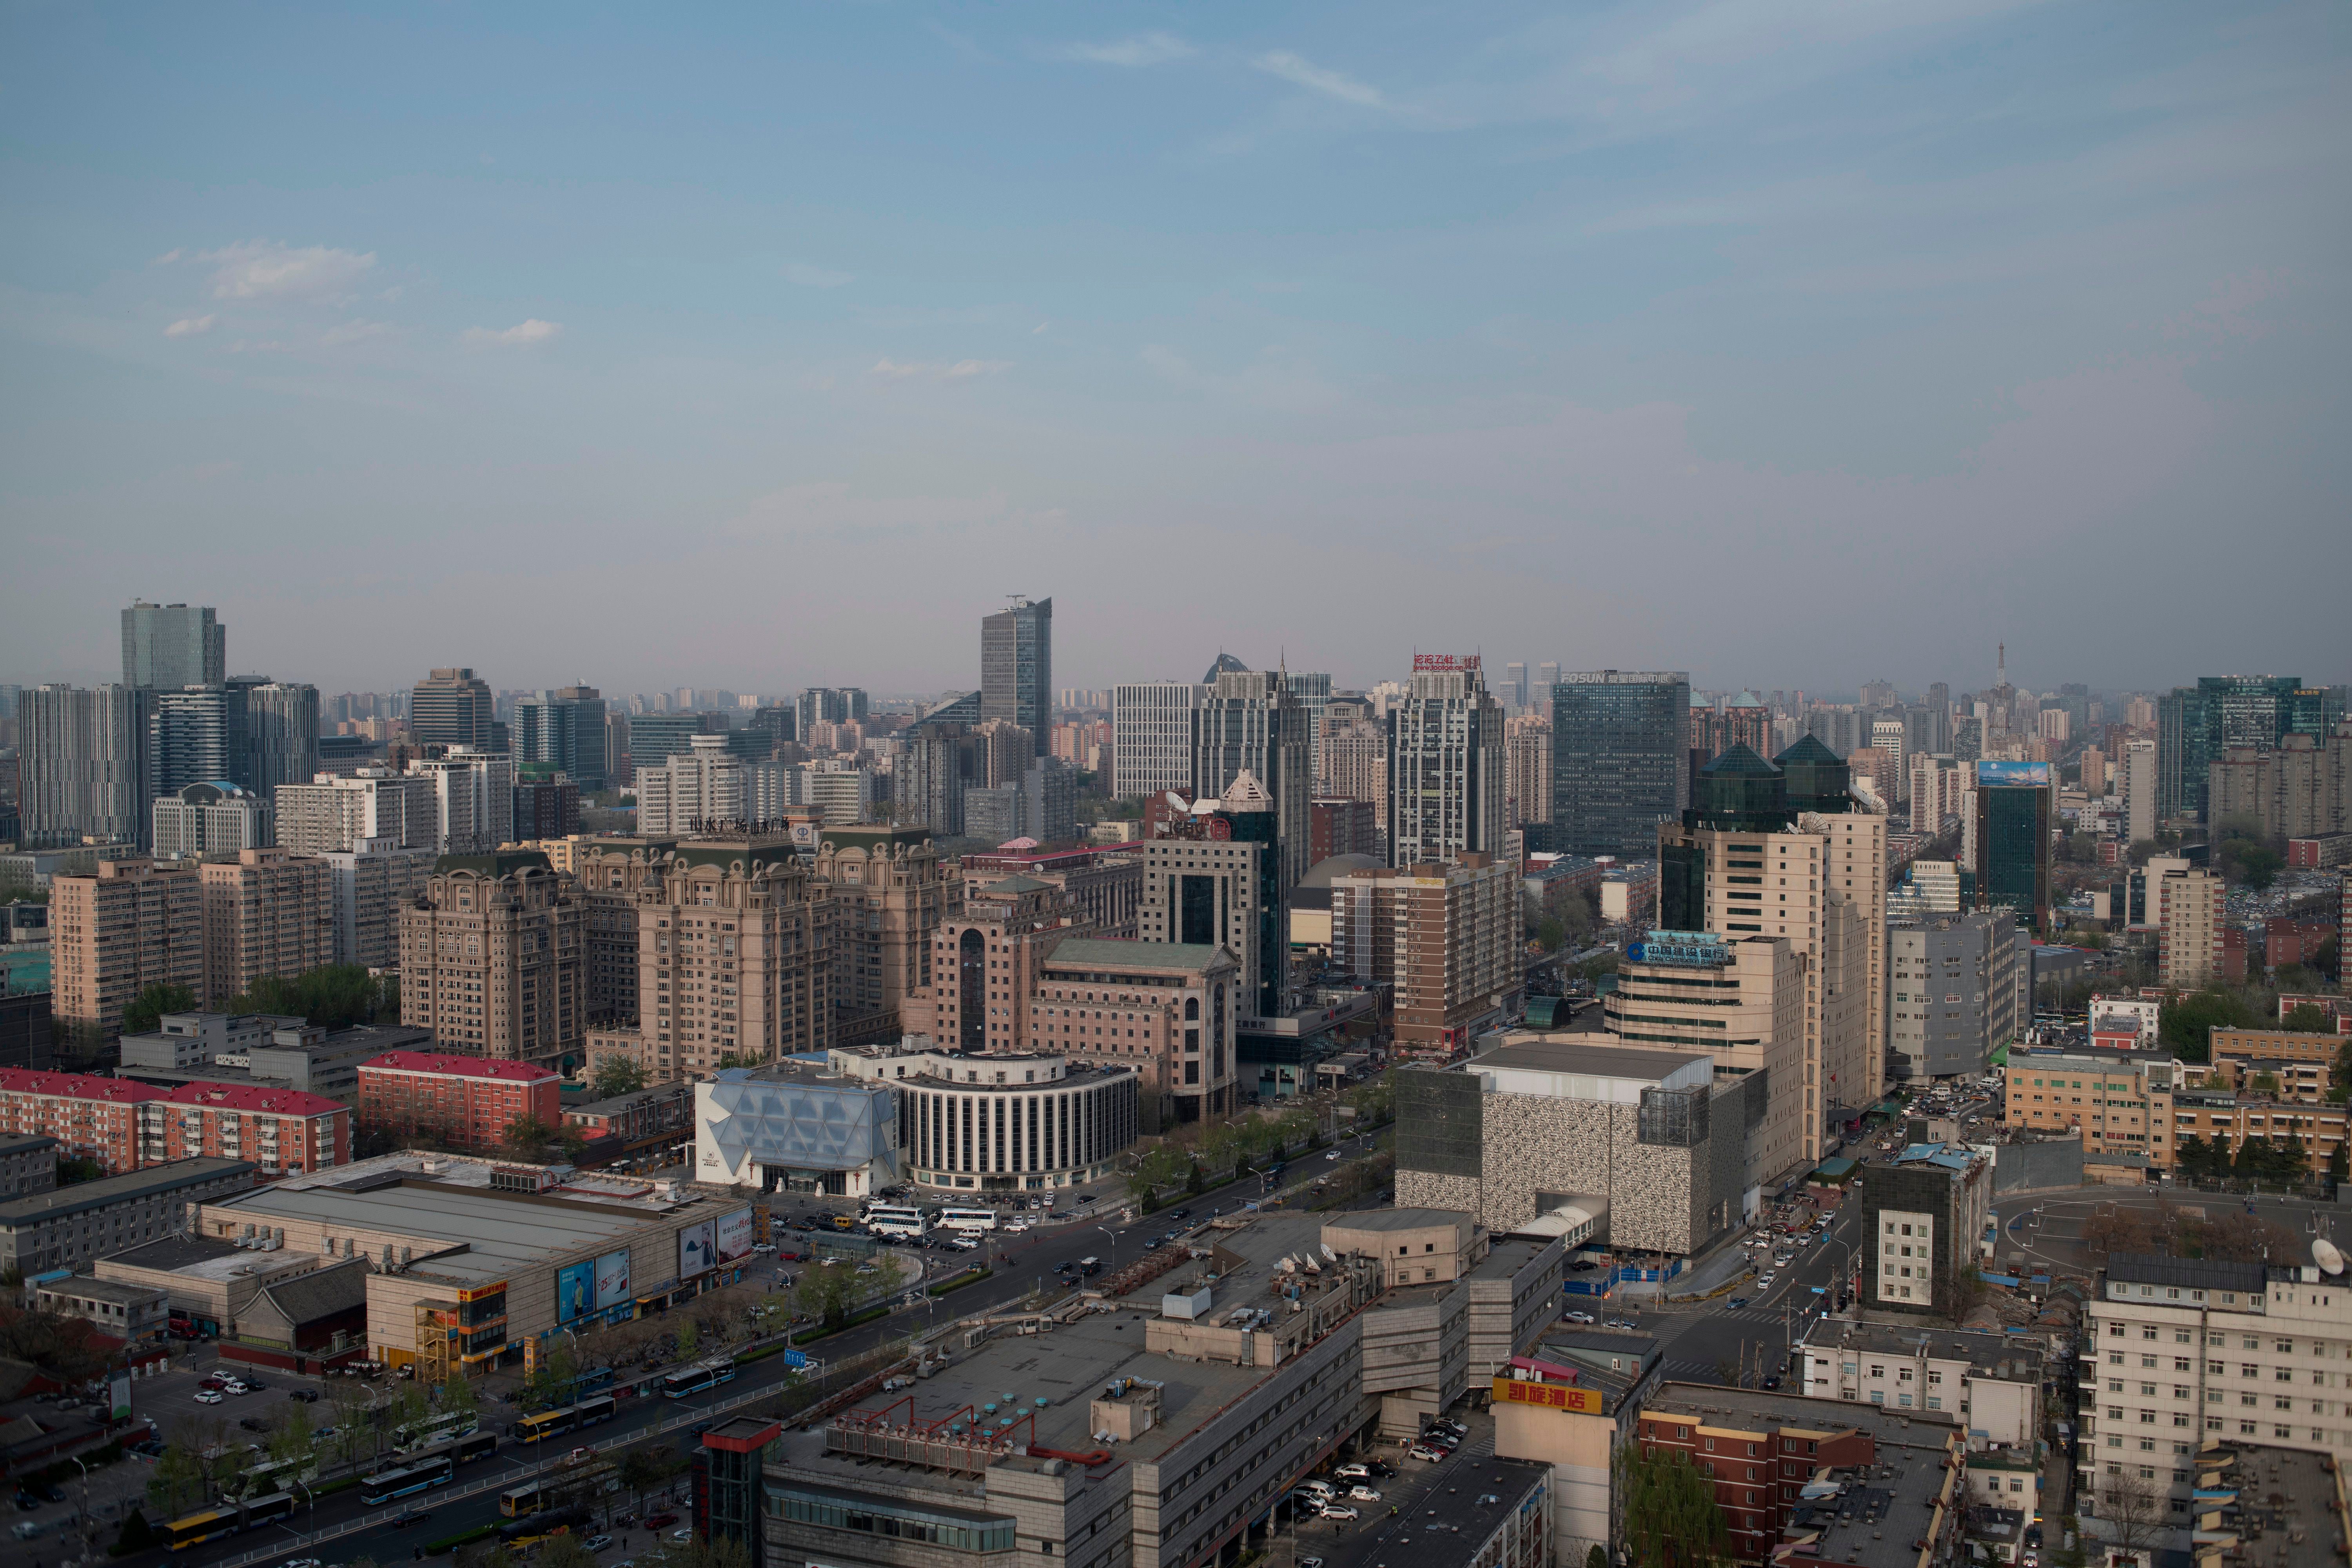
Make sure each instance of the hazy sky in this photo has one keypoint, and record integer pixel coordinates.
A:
(1789, 343)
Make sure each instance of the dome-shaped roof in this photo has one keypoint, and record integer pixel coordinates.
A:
(1741, 759)
(1321, 873)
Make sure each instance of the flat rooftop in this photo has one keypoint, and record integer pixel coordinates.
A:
(1982, 1352)
(1396, 1219)
(201, 1258)
(2294, 1499)
(1596, 1061)
(1487, 1490)
(84, 1195)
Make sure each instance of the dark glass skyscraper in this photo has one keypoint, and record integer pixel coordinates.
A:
(563, 728)
(2012, 842)
(1016, 667)
(2195, 724)
(1620, 744)
(172, 646)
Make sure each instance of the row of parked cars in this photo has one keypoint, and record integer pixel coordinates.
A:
(1438, 1439)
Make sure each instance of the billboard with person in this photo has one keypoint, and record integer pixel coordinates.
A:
(575, 1290)
(734, 1235)
(612, 1279)
(694, 1255)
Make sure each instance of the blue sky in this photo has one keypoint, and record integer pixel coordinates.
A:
(1791, 344)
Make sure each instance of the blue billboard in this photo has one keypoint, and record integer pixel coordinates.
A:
(2003, 772)
(575, 1290)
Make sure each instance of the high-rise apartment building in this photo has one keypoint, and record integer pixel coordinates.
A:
(1447, 791)
(199, 737)
(2010, 816)
(2300, 789)
(1444, 936)
(491, 956)
(2140, 791)
(1249, 723)
(1355, 758)
(1953, 991)
(1887, 738)
(367, 884)
(267, 915)
(565, 730)
(116, 931)
(86, 765)
(473, 798)
(1742, 720)
(2196, 724)
(828, 705)
(337, 812)
(1620, 743)
(451, 708)
(1938, 783)
(1016, 667)
(706, 784)
(168, 646)
(888, 890)
(2192, 920)
(1210, 878)
(210, 819)
(1154, 728)
(655, 738)
(1777, 848)
(735, 959)
(281, 735)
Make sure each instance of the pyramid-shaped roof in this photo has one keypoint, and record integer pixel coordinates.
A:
(1808, 749)
(1745, 700)
(1742, 759)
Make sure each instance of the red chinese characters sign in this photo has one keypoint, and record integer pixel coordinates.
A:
(1550, 1395)
(1425, 662)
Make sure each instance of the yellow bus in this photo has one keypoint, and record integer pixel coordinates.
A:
(196, 1529)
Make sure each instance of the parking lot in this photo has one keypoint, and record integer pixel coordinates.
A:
(1419, 1493)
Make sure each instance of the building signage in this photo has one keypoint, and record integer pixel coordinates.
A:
(1550, 1395)
(733, 1236)
(481, 1292)
(1441, 662)
(2005, 773)
(1689, 947)
(575, 1290)
(694, 1254)
(613, 1279)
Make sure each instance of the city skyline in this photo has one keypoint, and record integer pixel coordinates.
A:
(1940, 320)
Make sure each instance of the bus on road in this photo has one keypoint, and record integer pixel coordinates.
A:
(895, 1219)
(968, 1219)
(695, 1379)
(407, 1481)
(550, 1423)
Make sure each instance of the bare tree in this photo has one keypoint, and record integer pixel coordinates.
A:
(2137, 1512)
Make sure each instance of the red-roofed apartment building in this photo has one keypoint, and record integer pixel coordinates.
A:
(125, 1125)
(465, 1103)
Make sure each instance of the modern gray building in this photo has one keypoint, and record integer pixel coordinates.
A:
(1954, 992)
(1016, 667)
(173, 645)
(73, 1227)
(563, 728)
(1446, 780)
(1250, 723)
(796, 1127)
(1621, 758)
(86, 765)
(199, 737)
(212, 818)
(828, 705)
(1154, 728)
(451, 707)
(282, 733)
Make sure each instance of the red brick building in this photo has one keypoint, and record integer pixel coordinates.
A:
(463, 1101)
(124, 1125)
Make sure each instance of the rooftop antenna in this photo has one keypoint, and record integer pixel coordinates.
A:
(2001, 666)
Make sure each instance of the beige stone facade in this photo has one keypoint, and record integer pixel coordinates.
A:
(116, 931)
(267, 915)
(491, 959)
(2191, 924)
(889, 891)
(1527, 745)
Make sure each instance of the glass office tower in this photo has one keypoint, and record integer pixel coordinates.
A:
(1017, 669)
(1621, 745)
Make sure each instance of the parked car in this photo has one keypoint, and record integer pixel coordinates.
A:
(763, 1247)
(1363, 1494)
(254, 1424)
(212, 1381)
(26, 1530)
(681, 1536)
(208, 1397)
(1354, 1472)
(660, 1520)
(26, 1502)
(597, 1543)
(1331, 1511)
(307, 1395)
(1426, 1451)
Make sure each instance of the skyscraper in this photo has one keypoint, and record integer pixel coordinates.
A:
(1314, 693)
(1249, 723)
(1513, 690)
(1016, 667)
(172, 645)
(565, 730)
(86, 764)
(1446, 785)
(199, 737)
(827, 705)
(2011, 814)
(2196, 723)
(473, 799)
(282, 733)
(451, 708)
(1620, 743)
(2140, 820)
(1153, 728)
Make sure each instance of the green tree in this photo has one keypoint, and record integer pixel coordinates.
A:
(616, 1075)
(527, 1138)
(824, 1294)
(143, 1013)
(690, 1339)
(551, 1383)
(176, 1485)
(2303, 1018)
(1596, 1556)
(1669, 1512)
(1550, 931)
(1195, 1181)
(2340, 1163)
(565, 1551)
(137, 1534)
(290, 1439)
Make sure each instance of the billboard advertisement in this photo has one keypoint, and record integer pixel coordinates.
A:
(575, 1290)
(734, 1235)
(612, 1279)
(2002, 772)
(693, 1250)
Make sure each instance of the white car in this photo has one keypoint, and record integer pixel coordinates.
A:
(1580, 1316)
(207, 1396)
(1363, 1494)
(1766, 1283)
(1339, 1511)
(1332, 1155)
(1354, 1472)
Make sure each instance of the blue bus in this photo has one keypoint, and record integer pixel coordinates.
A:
(695, 1379)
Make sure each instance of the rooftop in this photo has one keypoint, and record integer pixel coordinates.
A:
(76, 1086)
(1397, 1219)
(82, 1196)
(2293, 1498)
(237, 1097)
(1098, 953)
(1495, 1487)
(453, 1065)
(2014, 1356)
(1599, 1061)
(2197, 1273)
(201, 1258)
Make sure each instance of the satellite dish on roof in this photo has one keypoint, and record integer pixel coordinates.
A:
(2325, 1253)
(1330, 1255)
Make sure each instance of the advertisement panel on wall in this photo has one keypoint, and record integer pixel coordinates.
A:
(1995, 772)
(575, 1290)
(734, 1235)
(693, 1250)
(612, 1279)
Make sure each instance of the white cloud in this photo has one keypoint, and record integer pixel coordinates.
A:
(265, 269)
(808, 276)
(958, 369)
(188, 327)
(353, 332)
(1144, 49)
(1303, 73)
(523, 335)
